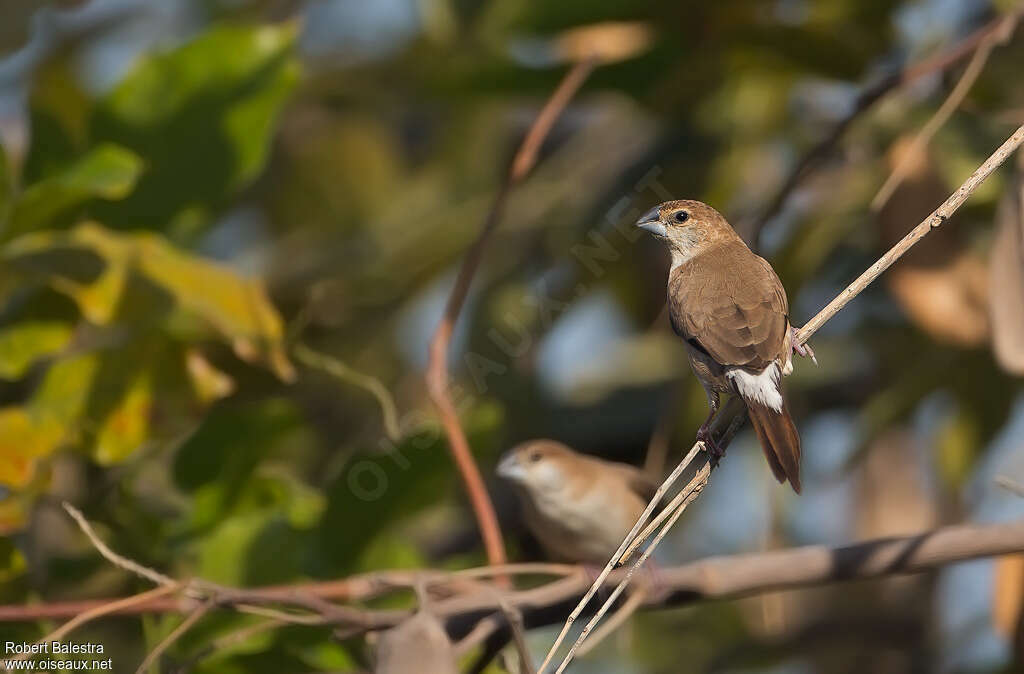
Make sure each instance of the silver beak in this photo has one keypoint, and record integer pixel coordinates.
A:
(651, 221)
(509, 468)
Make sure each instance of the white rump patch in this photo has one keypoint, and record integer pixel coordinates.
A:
(761, 388)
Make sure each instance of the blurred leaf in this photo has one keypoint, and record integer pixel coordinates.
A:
(126, 427)
(326, 656)
(957, 443)
(12, 514)
(61, 397)
(210, 384)
(1008, 595)
(23, 440)
(218, 95)
(12, 562)
(1006, 301)
(218, 461)
(108, 172)
(236, 307)
(223, 554)
(24, 343)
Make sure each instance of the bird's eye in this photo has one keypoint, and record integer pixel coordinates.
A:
(534, 457)
(682, 216)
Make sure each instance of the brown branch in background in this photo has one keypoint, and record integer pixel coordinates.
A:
(719, 577)
(865, 101)
(360, 587)
(437, 363)
(945, 111)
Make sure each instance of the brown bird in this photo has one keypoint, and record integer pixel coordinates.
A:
(578, 507)
(730, 307)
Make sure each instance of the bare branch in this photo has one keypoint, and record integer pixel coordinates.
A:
(945, 111)
(936, 219)
(599, 581)
(117, 560)
(865, 101)
(106, 608)
(437, 364)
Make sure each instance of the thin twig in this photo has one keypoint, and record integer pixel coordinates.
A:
(437, 363)
(168, 641)
(515, 625)
(117, 560)
(100, 611)
(633, 601)
(359, 587)
(945, 111)
(692, 491)
(865, 101)
(339, 370)
(599, 581)
(1009, 484)
(936, 219)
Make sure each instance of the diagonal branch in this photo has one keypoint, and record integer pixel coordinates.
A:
(865, 101)
(945, 111)
(437, 364)
(936, 219)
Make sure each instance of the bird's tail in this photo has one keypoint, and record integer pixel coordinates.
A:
(779, 440)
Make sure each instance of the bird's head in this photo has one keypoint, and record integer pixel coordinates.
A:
(685, 226)
(537, 465)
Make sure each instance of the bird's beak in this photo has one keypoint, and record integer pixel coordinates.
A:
(510, 468)
(651, 221)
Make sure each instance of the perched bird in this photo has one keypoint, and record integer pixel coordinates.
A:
(578, 507)
(730, 307)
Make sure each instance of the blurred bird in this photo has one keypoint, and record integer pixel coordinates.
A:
(578, 507)
(730, 307)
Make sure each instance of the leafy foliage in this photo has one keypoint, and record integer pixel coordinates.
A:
(166, 240)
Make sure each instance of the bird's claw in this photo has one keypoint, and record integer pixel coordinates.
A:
(715, 452)
(803, 350)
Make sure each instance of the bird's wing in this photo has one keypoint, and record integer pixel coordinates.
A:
(638, 481)
(730, 303)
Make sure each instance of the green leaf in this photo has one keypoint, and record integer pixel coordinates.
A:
(107, 172)
(218, 97)
(23, 344)
(23, 440)
(236, 307)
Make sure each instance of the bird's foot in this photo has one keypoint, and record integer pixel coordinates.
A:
(803, 350)
(715, 452)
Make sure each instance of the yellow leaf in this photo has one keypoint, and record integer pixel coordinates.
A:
(208, 382)
(127, 426)
(23, 344)
(1008, 593)
(23, 440)
(235, 306)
